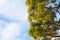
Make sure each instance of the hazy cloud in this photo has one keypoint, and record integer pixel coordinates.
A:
(13, 9)
(11, 31)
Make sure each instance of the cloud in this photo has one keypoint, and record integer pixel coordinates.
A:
(13, 9)
(2, 2)
(11, 32)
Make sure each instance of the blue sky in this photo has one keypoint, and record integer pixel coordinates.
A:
(13, 20)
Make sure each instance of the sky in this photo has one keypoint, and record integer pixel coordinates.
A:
(13, 20)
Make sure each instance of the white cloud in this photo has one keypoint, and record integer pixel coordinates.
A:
(13, 9)
(2, 2)
(11, 32)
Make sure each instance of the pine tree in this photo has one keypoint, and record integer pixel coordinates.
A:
(41, 19)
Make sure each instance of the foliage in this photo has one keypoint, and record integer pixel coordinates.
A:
(41, 20)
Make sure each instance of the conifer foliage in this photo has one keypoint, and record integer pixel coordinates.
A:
(41, 19)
